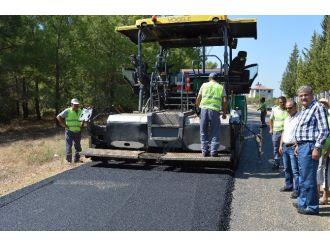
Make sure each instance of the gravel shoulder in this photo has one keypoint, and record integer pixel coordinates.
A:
(257, 203)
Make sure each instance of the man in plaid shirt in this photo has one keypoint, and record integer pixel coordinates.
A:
(311, 132)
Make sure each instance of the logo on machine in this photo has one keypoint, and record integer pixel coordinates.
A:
(179, 18)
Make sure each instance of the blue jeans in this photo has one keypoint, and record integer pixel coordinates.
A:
(291, 170)
(210, 118)
(263, 117)
(276, 138)
(70, 138)
(308, 196)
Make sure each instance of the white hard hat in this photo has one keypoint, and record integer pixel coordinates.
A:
(75, 101)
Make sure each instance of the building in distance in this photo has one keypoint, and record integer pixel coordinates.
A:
(261, 91)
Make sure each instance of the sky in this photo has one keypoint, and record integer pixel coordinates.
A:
(277, 35)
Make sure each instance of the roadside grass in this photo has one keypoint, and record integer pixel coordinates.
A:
(29, 160)
(45, 150)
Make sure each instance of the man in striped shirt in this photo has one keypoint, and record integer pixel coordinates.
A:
(311, 132)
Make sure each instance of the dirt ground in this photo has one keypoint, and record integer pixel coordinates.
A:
(32, 151)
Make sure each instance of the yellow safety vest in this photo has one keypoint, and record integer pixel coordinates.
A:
(279, 117)
(211, 96)
(327, 141)
(72, 120)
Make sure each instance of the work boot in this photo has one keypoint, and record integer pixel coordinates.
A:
(306, 211)
(285, 189)
(214, 154)
(205, 154)
(294, 195)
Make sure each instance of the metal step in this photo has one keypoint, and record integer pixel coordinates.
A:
(164, 126)
(112, 153)
(165, 139)
(195, 157)
(192, 158)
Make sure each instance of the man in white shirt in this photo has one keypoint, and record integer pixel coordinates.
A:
(286, 149)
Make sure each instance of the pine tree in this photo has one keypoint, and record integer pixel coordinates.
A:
(289, 78)
(314, 68)
(325, 53)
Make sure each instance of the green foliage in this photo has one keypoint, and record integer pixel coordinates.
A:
(271, 102)
(312, 66)
(253, 101)
(47, 60)
(256, 101)
(289, 78)
(211, 65)
(325, 55)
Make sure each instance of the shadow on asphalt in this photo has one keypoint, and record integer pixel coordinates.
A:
(123, 165)
(252, 163)
(184, 168)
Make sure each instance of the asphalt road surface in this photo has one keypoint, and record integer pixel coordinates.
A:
(122, 197)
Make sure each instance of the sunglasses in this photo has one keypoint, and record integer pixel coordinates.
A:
(289, 108)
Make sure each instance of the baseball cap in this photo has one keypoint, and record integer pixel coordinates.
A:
(212, 75)
(75, 101)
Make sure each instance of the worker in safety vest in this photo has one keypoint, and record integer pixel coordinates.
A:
(69, 119)
(209, 100)
(276, 126)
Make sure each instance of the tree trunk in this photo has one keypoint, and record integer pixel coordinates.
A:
(24, 99)
(36, 99)
(17, 96)
(57, 79)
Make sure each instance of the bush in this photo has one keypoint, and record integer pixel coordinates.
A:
(253, 101)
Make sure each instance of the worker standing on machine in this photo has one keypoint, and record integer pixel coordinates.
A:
(209, 100)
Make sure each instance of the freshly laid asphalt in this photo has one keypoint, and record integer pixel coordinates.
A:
(138, 197)
(122, 197)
